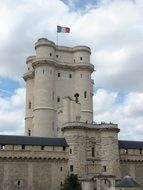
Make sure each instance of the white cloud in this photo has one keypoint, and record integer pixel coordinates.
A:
(12, 113)
(113, 30)
(127, 115)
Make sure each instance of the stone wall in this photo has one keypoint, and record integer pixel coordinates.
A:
(131, 163)
(32, 168)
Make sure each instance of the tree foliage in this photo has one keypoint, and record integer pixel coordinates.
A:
(72, 183)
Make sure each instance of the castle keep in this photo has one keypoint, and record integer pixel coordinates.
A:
(60, 135)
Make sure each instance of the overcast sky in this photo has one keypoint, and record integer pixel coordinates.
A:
(114, 31)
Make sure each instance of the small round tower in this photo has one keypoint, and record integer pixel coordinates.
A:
(29, 78)
(83, 81)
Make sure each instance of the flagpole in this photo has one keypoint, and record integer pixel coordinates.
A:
(57, 39)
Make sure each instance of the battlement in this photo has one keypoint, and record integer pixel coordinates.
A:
(90, 126)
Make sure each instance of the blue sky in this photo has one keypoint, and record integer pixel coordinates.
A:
(116, 43)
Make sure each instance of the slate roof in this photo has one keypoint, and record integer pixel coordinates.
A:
(131, 144)
(27, 140)
(128, 181)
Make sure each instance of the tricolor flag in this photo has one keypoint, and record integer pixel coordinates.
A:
(61, 29)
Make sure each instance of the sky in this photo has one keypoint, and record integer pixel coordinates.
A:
(114, 31)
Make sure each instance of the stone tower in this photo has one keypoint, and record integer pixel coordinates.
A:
(56, 77)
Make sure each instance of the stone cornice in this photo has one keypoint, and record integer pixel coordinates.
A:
(28, 75)
(62, 65)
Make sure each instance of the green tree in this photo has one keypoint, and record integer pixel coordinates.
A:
(72, 183)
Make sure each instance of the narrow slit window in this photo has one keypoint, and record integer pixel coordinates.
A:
(58, 99)
(93, 151)
(70, 151)
(70, 75)
(59, 74)
(81, 58)
(29, 132)
(18, 182)
(43, 71)
(50, 54)
(61, 168)
(71, 168)
(74, 60)
(81, 75)
(85, 94)
(29, 105)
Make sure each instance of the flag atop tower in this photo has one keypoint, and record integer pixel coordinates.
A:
(61, 29)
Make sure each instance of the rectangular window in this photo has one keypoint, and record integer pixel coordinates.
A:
(59, 74)
(23, 147)
(104, 168)
(71, 168)
(64, 148)
(58, 99)
(80, 58)
(61, 168)
(42, 147)
(70, 75)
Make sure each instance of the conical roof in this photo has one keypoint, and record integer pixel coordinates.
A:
(128, 181)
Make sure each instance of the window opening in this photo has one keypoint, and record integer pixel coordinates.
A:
(18, 182)
(61, 168)
(23, 147)
(29, 132)
(126, 151)
(140, 151)
(43, 71)
(70, 151)
(85, 94)
(70, 75)
(93, 152)
(57, 55)
(42, 147)
(2, 147)
(74, 60)
(104, 168)
(29, 105)
(58, 99)
(81, 75)
(59, 74)
(50, 54)
(80, 58)
(61, 183)
(71, 168)
(64, 148)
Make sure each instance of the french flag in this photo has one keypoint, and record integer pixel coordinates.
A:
(61, 29)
